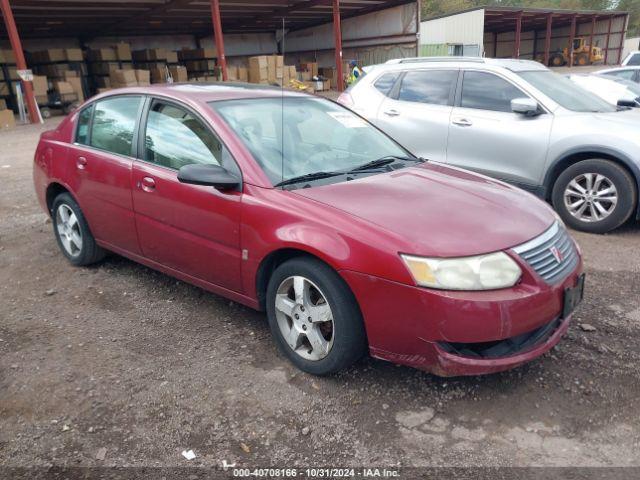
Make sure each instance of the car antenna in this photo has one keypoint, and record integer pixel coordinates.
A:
(282, 108)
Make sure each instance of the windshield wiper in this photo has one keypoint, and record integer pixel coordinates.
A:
(308, 177)
(381, 162)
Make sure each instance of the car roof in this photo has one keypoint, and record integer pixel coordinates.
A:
(508, 63)
(208, 92)
(617, 69)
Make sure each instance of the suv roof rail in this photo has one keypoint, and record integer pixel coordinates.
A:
(435, 59)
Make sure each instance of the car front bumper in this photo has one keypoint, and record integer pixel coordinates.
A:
(462, 333)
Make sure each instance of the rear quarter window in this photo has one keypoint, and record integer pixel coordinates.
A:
(84, 124)
(634, 60)
(114, 123)
(386, 82)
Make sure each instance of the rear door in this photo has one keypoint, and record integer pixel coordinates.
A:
(417, 112)
(486, 136)
(102, 156)
(192, 229)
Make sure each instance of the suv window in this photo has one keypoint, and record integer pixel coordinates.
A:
(428, 86)
(486, 91)
(175, 138)
(114, 123)
(84, 122)
(634, 60)
(385, 83)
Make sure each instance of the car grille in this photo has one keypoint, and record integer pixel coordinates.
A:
(539, 254)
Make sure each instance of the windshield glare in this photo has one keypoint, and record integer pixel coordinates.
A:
(295, 136)
(566, 93)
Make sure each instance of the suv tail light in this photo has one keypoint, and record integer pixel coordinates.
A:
(346, 100)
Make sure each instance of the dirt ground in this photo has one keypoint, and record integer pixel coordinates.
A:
(118, 365)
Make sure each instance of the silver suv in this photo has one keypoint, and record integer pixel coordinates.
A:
(514, 120)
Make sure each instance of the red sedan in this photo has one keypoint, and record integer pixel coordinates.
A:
(292, 204)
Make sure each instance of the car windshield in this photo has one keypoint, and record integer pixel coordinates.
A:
(294, 136)
(566, 93)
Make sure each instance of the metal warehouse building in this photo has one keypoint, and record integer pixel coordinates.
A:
(326, 33)
(528, 33)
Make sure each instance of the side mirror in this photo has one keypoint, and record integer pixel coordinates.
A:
(525, 106)
(208, 175)
(627, 102)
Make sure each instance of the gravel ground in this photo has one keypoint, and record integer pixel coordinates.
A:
(118, 365)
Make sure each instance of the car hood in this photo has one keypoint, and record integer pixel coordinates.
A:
(435, 210)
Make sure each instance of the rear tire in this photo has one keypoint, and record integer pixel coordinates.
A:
(72, 232)
(294, 322)
(556, 60)
(595, 195)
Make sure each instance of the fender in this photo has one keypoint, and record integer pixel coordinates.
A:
(623, 158)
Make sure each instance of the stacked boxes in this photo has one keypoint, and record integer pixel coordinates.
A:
(199, 61)
(75, 81)
(65, 91)
(259, 69)
(121, 78)
(40, 89)
(178, 73)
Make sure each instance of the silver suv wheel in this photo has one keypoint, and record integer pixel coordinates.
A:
(590, 197)
(304, 317)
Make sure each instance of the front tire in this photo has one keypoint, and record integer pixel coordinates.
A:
(314, 317)
(72, 232)
(595, 195)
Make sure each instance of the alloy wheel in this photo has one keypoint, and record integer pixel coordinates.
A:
(305, 318)
(69, 230)
(590, 197)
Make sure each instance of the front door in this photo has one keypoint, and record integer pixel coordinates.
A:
(102, 155)
(487, 137)
(419, 115)
(192, 229)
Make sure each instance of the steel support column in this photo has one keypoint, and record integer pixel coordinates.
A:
(572, 36)
(337, 32)
(622, 36)
(21, 64)
(606, 46)
(593, 29)
(547, 39)
(218, 37)
(516, 45)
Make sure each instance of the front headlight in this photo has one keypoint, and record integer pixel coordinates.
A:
(484, 272)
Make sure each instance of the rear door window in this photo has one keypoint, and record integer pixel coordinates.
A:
(486, 91)
(386, 82)
(114, 124)
(428, 86)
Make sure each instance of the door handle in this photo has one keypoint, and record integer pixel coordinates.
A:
(392, 112)
(81, 163)
(462, 122)
(147, 184)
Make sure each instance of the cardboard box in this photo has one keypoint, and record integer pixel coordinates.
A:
(143, 77)
(3, 104)
(13, 73)
(123, 78)
(158, 74)
(63, 87)
(76, 84)
(197, 54)
(311, 67)
(102, 90)
(42, 99)
(306, 76)
(232, 73)
(71, 74)
(73, 55)
(243, 74)
(54, 55)
(103, 68)
(6, 56)
(259, 69)
(40, 85)
(178, 73)
(103, 55)
(172, 57)
(4, 88)
(123, 51)
(7, 120)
